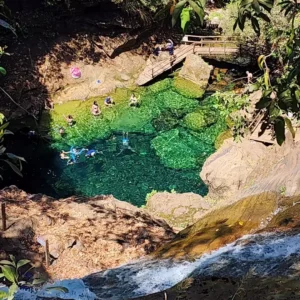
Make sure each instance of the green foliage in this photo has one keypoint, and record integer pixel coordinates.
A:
(185, 17)
(183, 10)
(12, 160)
(187, 88)
(11, 271)
(279, 96)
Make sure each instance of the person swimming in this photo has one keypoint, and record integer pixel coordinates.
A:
(125, 144)
(91, 153)
(63, 155)
(73, 154)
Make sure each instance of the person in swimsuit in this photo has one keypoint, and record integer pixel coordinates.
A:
(95, 109)
(133, 101)
(125, 144)
(91, 153)
(109, 101)
(70, 120)
(61, 131)
(63, 155)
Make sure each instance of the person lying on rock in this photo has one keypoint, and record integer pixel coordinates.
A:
(109, 101)
(133, 101)
(95, 109)
(70, 120)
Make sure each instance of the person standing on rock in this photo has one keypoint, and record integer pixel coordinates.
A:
(249, 77)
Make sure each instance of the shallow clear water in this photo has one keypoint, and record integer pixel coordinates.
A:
(171, 135)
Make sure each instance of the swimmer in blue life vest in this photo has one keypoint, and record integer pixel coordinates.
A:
(125, 144)
(73, 154)
(91, 153)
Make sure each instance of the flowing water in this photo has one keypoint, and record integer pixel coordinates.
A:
(262, 255)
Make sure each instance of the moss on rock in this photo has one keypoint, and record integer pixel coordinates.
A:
(201, 118)
(222, 137)
(187, 88)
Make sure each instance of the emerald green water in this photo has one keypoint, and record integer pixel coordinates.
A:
(171, 132)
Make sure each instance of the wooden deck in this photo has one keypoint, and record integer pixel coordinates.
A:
(206, 46)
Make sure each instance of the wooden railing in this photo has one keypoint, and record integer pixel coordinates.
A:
(179, 54)
(189, 39)
(197, 41)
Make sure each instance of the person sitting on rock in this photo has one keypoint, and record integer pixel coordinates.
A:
(70, 120)
(95, 109)
(109, 101)
(133, 101)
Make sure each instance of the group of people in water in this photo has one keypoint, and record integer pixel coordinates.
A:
(74, 154)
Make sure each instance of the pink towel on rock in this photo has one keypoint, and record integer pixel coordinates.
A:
(75, 72)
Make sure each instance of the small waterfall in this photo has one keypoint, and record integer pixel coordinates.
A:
(259, 255)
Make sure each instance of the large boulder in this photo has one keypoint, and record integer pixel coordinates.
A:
(248, 168)
(179, 210)
(196, 70)
(228, 170)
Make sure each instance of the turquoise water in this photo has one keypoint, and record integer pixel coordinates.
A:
(171, 135)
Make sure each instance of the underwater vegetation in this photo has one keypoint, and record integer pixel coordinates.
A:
(171, 133)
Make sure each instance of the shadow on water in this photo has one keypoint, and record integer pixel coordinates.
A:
(128, 175)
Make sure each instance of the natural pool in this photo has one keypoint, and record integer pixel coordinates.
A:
(172, 134)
